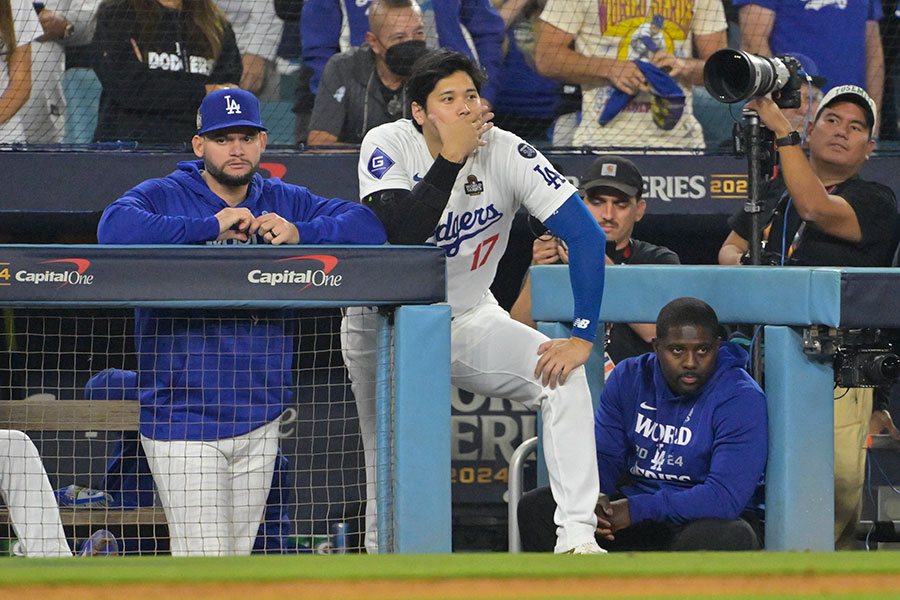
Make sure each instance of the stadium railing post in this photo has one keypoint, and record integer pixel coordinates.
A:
(800, 469)
(422, 492)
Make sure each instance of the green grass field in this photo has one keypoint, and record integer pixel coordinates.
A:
(439, 567)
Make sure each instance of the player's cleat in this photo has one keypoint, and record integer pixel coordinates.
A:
(76, 495)
(587, 548)
(101, 543)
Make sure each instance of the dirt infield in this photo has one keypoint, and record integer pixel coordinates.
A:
(781, 586)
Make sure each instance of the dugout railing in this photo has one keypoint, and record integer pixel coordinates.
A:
(408, 284)
(799, 387)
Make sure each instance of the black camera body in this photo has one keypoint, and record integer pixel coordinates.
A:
(734, 76)
(788, 95)
(861, 357)
(866, 367)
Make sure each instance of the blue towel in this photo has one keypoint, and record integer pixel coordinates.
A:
(667, 104)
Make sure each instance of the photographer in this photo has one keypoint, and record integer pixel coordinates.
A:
(825, 215)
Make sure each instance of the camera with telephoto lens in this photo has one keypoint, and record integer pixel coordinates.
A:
(733, 76)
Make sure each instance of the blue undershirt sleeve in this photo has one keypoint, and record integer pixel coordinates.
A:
(587, 261)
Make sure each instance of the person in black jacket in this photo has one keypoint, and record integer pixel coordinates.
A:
(156, 60)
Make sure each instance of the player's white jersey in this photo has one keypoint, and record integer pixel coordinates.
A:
(496, 180)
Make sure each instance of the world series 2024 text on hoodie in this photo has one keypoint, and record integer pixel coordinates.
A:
(684, 457)
(214, 374)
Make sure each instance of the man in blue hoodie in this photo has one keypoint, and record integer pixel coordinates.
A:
(214, 383)
(681, 445)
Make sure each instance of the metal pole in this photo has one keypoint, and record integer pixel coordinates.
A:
(753, 208)
(515, 491)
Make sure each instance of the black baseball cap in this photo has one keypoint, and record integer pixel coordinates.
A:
(613, 172)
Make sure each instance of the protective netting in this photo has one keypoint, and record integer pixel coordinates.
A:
(246, 417)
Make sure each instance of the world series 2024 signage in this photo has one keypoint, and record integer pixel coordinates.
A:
(484, 434)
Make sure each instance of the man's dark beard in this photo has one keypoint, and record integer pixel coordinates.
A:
(231, 180)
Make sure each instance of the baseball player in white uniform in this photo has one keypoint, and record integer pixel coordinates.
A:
(33, 510)
(447, 178)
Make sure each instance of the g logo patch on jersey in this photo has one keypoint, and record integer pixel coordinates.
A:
(526, 150)
(379, 163)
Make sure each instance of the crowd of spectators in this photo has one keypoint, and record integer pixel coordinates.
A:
(558, 73)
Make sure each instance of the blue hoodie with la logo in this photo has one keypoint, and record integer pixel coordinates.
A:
(681, 458)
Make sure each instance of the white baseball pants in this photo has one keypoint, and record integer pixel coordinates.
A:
(214, 492)
(493, 355)
(26, 491)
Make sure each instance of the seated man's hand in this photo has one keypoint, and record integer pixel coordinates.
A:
(604, 513)
(275, 230)
(621, 517)
(547, 252)
(234, 223)
(559, 357)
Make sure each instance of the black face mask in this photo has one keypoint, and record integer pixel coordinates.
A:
(400, 57)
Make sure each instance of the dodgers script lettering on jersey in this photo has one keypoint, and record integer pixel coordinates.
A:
(496, 180)
(457, 228)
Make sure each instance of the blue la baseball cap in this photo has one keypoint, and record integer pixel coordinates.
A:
(232, 107)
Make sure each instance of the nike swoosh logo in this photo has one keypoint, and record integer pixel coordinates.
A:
(645, 407)
(416, 177)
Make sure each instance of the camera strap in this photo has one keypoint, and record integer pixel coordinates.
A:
(784, 207)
